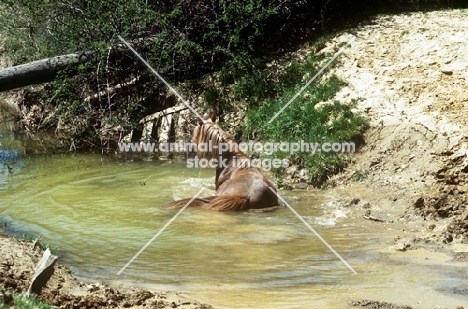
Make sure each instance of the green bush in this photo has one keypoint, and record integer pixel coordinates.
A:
(302, 120)
(21, 301)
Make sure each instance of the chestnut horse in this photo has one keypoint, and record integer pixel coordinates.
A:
(239, 185)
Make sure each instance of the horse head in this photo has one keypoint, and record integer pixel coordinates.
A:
(209, 135)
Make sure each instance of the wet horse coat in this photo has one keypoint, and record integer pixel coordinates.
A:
(239, 185)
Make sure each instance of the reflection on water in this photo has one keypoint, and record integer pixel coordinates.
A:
(97, 214)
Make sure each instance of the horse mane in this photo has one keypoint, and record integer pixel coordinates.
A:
(210, 132)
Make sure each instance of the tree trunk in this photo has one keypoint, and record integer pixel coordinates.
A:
(45, 70)
(38, 72)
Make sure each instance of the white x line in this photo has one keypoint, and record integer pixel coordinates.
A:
(198, 115)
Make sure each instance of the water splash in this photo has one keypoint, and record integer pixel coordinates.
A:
(333, 212)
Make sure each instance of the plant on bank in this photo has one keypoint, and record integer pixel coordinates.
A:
(21, 301)
(303, 120)
(359, 175)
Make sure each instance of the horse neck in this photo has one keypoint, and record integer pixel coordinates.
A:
(233, 150)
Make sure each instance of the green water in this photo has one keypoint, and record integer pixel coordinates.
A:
(97, 212)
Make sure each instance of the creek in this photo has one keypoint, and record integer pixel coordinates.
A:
(96, 212)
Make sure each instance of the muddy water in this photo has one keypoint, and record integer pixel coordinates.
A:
(98, 212)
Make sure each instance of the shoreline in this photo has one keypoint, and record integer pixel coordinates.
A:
(19, 259)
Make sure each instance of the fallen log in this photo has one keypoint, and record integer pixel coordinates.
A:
(45, 70)
(39, 71)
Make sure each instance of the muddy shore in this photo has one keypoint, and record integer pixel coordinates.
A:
(19, 259)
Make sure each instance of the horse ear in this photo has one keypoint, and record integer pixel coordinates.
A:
(213, 116)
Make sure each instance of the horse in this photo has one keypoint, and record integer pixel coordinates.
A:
(239, 184)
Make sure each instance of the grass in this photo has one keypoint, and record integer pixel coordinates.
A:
(31, 238)
(304, 120)
(360, 175)
(21, 301)
(41, 244)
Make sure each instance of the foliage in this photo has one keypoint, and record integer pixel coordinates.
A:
(28, 302)
(184, 40)
(304, 121)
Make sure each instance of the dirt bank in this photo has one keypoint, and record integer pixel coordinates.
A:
(410, 73)
(18, 260)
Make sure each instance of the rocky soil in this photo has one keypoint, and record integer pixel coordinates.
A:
(411, 74)
(18, 260)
